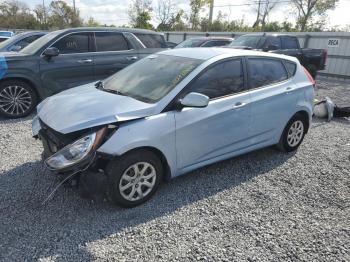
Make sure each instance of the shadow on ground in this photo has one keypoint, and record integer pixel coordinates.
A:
(63, 226)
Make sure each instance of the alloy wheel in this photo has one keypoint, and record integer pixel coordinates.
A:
(137, 181)
(295, 133)
(15, 100)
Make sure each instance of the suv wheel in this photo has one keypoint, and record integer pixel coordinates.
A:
(293, 134)
(17, 99)
(134, 178)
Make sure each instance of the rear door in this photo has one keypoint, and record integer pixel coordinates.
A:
(112, 53)
(72, 67)
(207, 134)
(273, 98)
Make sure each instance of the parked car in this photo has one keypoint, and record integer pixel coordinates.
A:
(68, 58)
(205, 42)
(312, 59)
(4, 35)
(19, 41)
(171, 113)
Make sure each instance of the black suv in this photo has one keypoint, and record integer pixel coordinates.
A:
(68, 58)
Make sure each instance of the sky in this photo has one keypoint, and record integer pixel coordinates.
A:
(116, 11)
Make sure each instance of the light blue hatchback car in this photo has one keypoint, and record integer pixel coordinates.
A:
(170, 113)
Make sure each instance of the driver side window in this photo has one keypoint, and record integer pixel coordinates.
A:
(73, 43)
(222, 79)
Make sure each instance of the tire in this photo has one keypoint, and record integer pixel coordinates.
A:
(17, 99)
(293, 134)
(122, 172)
(312, 70)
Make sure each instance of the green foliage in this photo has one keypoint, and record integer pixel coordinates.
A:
(92, 22)
(63, 16)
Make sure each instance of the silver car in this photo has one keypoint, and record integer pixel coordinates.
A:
(170, 113)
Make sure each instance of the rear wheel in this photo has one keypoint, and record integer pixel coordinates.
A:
(293, 134)
(17, 99)
(134, 178)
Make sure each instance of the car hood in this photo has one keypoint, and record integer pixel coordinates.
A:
(86, 106)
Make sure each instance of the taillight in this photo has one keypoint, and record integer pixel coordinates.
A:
(312, 80)
(325, 53)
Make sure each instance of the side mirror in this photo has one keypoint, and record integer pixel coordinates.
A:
(15, 48)
(195, 100)
(170, 44)
(51, 51)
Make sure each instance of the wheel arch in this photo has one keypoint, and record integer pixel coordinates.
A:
(159, 154)
(305, 115)
(30, 82)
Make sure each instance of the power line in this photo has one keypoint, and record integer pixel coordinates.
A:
(254, 3)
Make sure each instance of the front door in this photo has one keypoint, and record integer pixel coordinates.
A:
(113, 53)
(205, 135)
(72, 67)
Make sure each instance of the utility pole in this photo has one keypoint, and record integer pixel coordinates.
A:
(74, 6)
(211, 11)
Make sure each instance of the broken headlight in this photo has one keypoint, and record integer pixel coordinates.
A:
(75, 152)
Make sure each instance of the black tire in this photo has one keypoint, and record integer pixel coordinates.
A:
(20, 103)
(312, 70)
(285, 144)
(115, 171)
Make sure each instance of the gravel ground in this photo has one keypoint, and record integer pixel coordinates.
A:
(261, 206)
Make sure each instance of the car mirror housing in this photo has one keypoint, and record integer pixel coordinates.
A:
(51, 51)
(195, 100)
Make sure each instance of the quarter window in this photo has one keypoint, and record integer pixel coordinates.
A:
(222, 79)
(291, 67)
(151, 40)
(110, 41)
(263, 71)
(73, 43)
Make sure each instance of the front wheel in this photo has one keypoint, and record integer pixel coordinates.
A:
(293, 134)
(134, 178)
(17, 99)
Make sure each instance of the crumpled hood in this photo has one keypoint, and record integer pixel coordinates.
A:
(86, 106)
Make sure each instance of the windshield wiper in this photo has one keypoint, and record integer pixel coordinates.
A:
(99, 85)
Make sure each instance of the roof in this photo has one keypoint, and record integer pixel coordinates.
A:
(266, 34)
(206, 53)
(114, 29)
(210, 38)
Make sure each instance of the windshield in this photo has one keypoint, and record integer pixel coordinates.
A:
(39, 43)
(9, 34)
(246, 40)
(151, 78)
(191, 43)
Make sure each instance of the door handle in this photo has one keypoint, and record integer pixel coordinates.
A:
(131, 58)
(289, 90)
(84, 61)
(239, 105)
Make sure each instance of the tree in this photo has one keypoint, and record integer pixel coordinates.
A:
(41, 14)
(164, 12)
(16, 14)
(308, 9)
(62, 16)
(91, 22)
(196, 7)
(140, 13)
(263, 9)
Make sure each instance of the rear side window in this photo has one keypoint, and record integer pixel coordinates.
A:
(216, 43)
(222, 79)
(151, 40)
(291, 67)
(275, 41)
(290, 42)
(110, 41)
(264, 71)
(73, 43)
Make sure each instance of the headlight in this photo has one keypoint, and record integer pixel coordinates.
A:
(75, 152)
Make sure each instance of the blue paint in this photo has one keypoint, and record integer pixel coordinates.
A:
(3, 66)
